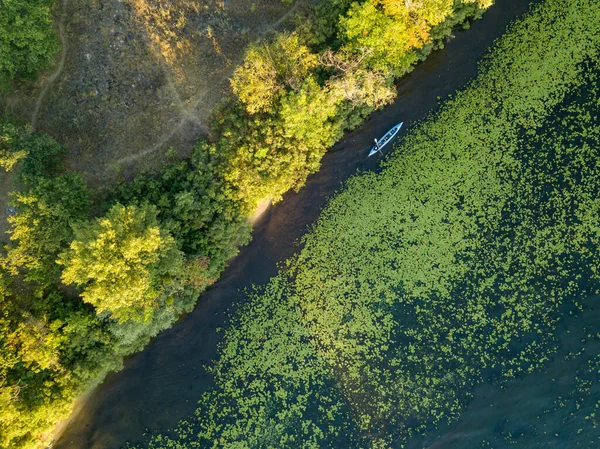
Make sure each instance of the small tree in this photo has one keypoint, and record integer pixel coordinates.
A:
(9, 159)
(9, 155)
(269, 70)
(40, 153)
(124, 262)
(27, 38)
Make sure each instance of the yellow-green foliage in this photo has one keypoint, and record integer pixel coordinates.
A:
(395, 31)
(124, 262)
(294, 102)
(37, 151)
(10, 154)
(41, 226)
(270, 155)
(454, 260)
(34, 392)
(54, 346)
(269, 69)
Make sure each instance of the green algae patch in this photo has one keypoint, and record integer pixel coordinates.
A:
(450, 267)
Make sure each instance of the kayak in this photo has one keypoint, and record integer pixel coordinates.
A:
(385, 139)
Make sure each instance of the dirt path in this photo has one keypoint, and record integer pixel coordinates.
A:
(59, 69)
(189, 114)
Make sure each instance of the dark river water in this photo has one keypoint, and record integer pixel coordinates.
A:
(550, 409)
(161, 385)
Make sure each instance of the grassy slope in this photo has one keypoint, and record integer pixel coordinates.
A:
(134, 77)
(449, 267)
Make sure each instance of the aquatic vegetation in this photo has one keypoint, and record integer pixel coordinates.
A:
(450, 267)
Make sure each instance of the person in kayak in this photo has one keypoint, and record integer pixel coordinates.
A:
(380, 143)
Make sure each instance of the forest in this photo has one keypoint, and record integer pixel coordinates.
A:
(88, 278)
(456, 265)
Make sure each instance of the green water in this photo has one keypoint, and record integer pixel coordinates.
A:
(558, 404)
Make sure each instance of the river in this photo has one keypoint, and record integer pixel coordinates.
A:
(161, 385)
(546, 409)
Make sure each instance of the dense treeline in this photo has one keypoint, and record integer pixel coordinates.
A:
(134, 279)
(80, 290)
(452, 266)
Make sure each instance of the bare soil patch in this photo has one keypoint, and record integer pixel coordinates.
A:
(137, 77)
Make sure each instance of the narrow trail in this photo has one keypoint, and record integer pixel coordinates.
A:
(59, 68)
(188, 114)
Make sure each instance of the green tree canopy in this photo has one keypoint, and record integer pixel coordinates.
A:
(10, 153)
(27, 39)
(271, 154)
(39, 153)
(125, 263)
(269, 69)
(41, 226)
(394, 30)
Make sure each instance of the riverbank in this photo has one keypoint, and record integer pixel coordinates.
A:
(448, 269)
(169, 375)
(95, 303)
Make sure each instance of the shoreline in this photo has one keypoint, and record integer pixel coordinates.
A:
(170, 370)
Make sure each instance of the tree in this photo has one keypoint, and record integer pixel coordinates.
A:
(41, 226)
(27, 39)
(270, 154)
(306, 116)
(269, 69)
(9, 153)
(124, 262)
(38, 152)
(350, 80)
(393, 30)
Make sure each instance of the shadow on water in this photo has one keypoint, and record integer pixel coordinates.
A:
(161, 385)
